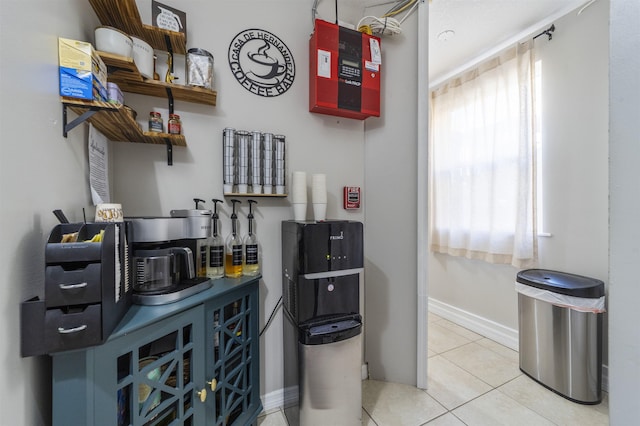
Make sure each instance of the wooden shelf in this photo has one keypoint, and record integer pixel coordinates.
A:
(123, 14)
(160, 88)
(118, 125)
(125, 74)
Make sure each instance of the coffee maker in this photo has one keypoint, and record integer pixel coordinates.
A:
(165, 250)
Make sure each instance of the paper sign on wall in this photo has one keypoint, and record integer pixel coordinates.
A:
(168, 18)
(98, 147)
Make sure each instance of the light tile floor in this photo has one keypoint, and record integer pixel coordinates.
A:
(472, 381)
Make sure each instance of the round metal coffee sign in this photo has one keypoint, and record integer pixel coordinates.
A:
(261, 63)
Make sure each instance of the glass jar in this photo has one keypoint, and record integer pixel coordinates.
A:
(174, 125)
(155, 122)
(200, 68)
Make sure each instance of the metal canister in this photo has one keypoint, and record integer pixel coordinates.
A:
(199, 68)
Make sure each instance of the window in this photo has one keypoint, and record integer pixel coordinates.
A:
(482, 157)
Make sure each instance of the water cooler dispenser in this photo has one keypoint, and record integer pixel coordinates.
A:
(322, 262)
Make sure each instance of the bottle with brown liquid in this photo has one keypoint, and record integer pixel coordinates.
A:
(233, 255)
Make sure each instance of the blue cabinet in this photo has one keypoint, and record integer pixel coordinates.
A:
(193, 362)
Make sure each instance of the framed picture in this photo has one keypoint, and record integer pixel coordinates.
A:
(168, 18)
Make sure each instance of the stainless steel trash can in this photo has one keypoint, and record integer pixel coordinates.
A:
(560, 337)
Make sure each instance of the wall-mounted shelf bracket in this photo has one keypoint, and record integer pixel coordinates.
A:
(169, 152)
(67, 127)
(167, 40)
(170, 97)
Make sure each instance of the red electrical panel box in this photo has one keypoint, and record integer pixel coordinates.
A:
(344, 72)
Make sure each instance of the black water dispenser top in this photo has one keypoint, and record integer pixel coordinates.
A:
(325, 246)
(322, 263)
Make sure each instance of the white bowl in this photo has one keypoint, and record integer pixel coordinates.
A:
(112, 40)
(143, 57)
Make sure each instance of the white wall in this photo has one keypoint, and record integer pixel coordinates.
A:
(575, 160)
(624, 291)
(39, 171)
(390, 214)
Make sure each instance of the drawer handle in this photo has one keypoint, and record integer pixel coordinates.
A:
(72, 286)
(71, 330)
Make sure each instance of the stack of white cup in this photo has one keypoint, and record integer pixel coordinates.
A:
(299, 195)
(319, 196)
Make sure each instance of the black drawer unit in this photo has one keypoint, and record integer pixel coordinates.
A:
(86, 289)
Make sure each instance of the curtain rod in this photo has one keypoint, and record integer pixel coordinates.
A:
(549, 32)
(495, 50)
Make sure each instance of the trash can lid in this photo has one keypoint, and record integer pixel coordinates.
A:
(562, 282)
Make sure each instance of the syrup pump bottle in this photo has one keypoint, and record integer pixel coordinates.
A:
(215, 251)
(233, 255)
(251, 264)
(201, 249)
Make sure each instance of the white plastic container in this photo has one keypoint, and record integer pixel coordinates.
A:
(112, 40)
(143, 57)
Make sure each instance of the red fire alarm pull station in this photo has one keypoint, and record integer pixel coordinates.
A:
(344, 72)
(351, 197)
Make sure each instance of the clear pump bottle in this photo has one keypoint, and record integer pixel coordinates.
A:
(233, 255)
(251, 265)
(215, 250)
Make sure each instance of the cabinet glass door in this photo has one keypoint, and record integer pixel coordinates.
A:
(231, 336)
(160, 378)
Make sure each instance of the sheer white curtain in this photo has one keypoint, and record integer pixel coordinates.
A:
(482, 162)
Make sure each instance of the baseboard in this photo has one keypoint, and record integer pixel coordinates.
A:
(272, 401)
(490, 329)
(487, 328)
